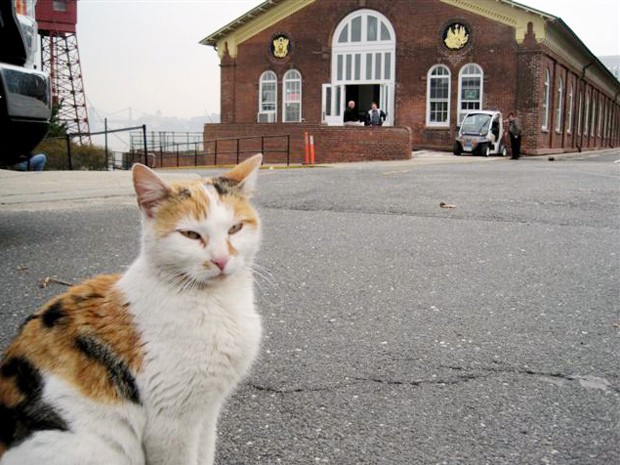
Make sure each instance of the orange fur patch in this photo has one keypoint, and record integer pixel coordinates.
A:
(187, 200)
(48, 341)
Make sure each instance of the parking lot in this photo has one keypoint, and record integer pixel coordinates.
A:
(396, 330)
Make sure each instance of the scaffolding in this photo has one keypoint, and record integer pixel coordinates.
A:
(60, 57)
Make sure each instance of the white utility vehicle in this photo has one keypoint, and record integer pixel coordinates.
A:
(481, 133)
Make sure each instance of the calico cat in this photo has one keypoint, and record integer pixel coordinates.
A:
(133, 369)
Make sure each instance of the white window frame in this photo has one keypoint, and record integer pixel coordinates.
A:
(580, 112)
(593, 113)
(366, 62)
(571, 102)
(262, 81)
(546, 98)
(462, 75)
(601, 107)
(286, 101)
(430, 101)
(586, 120)
(559, 113)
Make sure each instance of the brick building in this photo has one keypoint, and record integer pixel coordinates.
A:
(290, 66)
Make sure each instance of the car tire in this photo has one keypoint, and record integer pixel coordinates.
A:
(456, 148)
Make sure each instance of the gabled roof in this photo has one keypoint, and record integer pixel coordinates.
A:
(267, 5)
(231, 27)
(529, 9)
(242, 28)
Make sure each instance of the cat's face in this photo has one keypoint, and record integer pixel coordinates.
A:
(200, 232)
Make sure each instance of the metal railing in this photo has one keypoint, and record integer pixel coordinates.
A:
(165, 151)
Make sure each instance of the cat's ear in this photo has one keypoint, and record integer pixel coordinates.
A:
(245, 173)
(150, 189)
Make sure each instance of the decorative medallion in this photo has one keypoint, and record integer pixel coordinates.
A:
(456, 36)
(280, 46)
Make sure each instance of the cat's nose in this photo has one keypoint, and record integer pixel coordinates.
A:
(220, 262)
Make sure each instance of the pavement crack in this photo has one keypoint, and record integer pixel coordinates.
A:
(587, 381)
(273, 390)
(419, 382)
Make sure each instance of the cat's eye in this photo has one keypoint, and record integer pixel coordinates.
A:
(191, 234)
(235, 229)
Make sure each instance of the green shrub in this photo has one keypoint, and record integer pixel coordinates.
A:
(83, 157)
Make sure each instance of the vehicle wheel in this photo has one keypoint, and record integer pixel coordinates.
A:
(456, 148)
(487, 150)
(503, 151)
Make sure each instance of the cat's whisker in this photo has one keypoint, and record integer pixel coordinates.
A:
(148, 357)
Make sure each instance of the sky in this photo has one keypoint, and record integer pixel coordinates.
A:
(143, 57)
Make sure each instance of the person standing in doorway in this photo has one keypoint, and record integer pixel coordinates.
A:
(376, 116)
(351, 115)
(514, 130)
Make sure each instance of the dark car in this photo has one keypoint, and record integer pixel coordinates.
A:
(25, 97)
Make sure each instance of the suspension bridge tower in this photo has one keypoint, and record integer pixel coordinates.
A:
(60, 57)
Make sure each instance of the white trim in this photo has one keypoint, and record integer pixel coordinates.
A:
(593, 113)
(571, 103)
(460, 113)
(262, 81)
(586, 120)
(354, 55)
(599, 127)
(580, 110)
(429, 79)
(546, 100)
(286, 79)
(350, 60)
(559, 109)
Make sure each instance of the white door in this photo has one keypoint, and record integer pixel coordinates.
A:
(332, 104)
(386, 103)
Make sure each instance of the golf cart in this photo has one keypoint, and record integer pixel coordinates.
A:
(481, 133)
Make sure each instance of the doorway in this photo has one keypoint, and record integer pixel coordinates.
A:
(363, 66)
(363, 95)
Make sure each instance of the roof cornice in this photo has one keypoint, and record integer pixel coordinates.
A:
(550, 31)
(253, 22)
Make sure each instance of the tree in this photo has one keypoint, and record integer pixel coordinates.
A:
(57, 128)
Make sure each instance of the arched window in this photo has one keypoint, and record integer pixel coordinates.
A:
(593, 113)
(364, 47)
(291, 96)
(599, 126)
(586, 119)
(559, 106)
(363, 65)
(438, 96)
(267, 97)
(546, 97)
(470, 89)
(569, 116)
(579, 112)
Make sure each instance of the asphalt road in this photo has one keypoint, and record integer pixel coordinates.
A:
(397, 331)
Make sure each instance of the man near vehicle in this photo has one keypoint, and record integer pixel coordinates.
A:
(514, 129)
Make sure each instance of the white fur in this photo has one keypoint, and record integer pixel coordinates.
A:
(99, 434)
(200, 334)
(199, 341)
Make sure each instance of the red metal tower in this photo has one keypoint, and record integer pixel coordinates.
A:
(60, 57)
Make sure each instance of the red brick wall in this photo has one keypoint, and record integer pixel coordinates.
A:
(513, 75)
(418, 25)
(333, 144)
